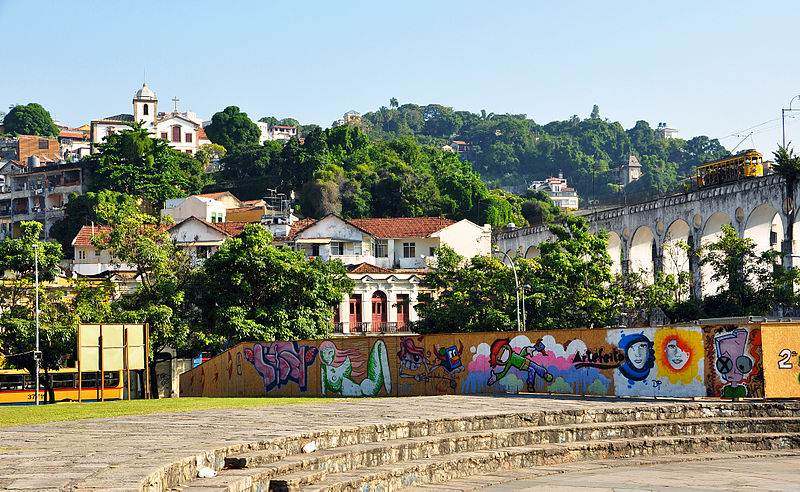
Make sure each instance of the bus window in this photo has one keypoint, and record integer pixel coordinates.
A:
(62, 380)
(9, 382)
(89, 380)
(111, 379)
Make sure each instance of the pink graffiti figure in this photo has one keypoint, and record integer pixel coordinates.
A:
(282, 362)
(732, 363)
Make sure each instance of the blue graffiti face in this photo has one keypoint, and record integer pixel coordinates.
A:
(639, 356)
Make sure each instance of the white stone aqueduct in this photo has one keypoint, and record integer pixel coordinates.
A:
(643, 237)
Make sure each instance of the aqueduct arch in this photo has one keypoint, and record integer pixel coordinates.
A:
(641, 253)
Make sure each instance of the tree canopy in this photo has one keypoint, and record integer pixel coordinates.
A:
(252, 290)
(232, 128)
(510, 149)
(133, 163)
(30, 119)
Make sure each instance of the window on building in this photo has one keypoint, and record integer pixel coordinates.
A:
(381, 248)
(432, 251)
(357, 248)
(337, 248)
(145, 109)
(188, 138)
(409, 250)
(203, 251)
(315, 250)
(164, 135)
(97, 252)
(188, 151)
(44, 143)
(176, 133)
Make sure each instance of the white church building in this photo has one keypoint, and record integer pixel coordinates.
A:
(183, 131)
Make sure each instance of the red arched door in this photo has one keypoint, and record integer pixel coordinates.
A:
(378, 310)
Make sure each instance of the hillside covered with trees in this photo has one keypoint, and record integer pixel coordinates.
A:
(510, 149)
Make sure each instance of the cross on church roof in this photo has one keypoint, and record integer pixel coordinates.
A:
(175, 100)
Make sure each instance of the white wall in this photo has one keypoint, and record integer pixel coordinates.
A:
(467, 238)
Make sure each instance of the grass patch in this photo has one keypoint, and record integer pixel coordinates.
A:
(11, 416)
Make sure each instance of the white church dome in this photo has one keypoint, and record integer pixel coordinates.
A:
(145, 93)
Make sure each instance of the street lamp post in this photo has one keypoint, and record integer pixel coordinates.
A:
(783, 113)
(37, 355)
(523, 288)
(516, 280)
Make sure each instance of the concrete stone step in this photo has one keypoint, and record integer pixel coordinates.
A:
(298, 468)
(444, 469)
(254, 459)
(480, 482)
(448, 435)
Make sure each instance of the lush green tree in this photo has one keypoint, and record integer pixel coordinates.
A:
(232, 128)
(750, 282)
(271, 120)
(470, 295)
(571, 279)
(131, 162)
(393, 103)
(30, 119)
(162, 269)
(255, 291)
(17, 305)
(595, 112)
(17, 261)
(81, 210)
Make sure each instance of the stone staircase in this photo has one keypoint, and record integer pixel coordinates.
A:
(416, 454)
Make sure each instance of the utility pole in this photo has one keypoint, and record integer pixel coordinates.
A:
(783, 114)
(37, 354)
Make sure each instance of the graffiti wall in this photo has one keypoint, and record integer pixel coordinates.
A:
(680, 361)
(780, 348)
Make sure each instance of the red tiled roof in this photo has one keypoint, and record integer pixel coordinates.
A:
(84, 236)
(231, 228)
(209, 224)
(284, 126)
(402, 226)
(253, 203)
(459, 142)
(201, 133)
(73, 134)
(299, 226)
(368, 268)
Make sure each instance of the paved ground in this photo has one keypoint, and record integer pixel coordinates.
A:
(774, 473)
(119, 452)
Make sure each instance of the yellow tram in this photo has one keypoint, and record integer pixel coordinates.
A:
(746, 163)
(17, 387)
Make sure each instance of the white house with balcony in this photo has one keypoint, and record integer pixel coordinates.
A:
(387, 258)
(556, 188)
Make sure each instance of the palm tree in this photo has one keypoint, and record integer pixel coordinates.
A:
(787, 166)
(393, 103)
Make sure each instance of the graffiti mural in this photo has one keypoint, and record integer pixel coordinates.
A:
(503, 357)
(341, 367)
(280, 363)
(681, 361)
(438, 367)
(736, 352)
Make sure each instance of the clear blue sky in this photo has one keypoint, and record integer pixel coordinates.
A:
(707, 68)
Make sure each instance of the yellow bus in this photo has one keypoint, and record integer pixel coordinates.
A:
(744, 164)
(17, 387)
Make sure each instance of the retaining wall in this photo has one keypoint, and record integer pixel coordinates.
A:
(745, 360)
